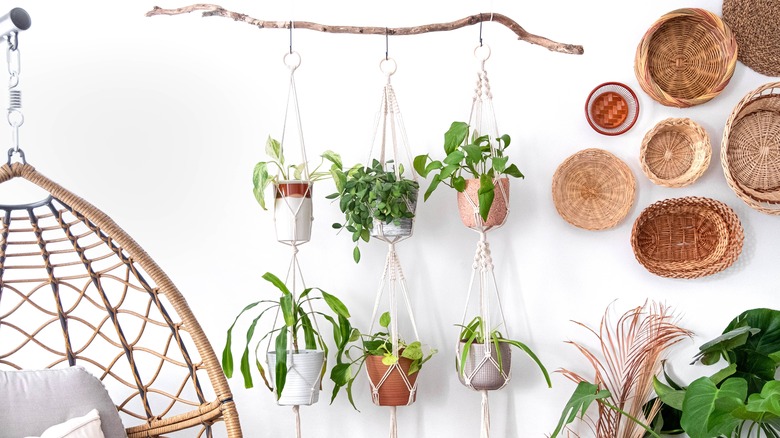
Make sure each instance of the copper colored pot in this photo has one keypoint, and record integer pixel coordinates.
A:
(293, 188)
(393, 391)
(498, 210)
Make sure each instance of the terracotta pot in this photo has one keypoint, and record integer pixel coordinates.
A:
(484, 375)
(393, 391)
(293, 211)
(390, 230)
(498, 210)
(304, 370)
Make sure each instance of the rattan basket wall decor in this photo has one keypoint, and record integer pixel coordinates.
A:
(687, 237)
(750, 151)
(675, 153)
(612, 108)
(686, 58)
(755, 26)
(593, 189)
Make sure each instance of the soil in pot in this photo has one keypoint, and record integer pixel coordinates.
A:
(484, 375)
(302, 386)
(393, 391)
(293, 211)
(469, 213)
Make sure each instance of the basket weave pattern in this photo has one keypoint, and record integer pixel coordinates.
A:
(687, 237)
(686, 58)
(755, 26)
(750, 151)
(675, 153)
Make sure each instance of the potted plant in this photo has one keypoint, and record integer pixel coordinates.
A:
(474, 169)
(376, 201)
(377, 353)
(292, 194)
(474, 346)
(308, 352)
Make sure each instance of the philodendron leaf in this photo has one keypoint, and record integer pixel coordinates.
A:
(512, 170)
(298, 171)
(454, 157)
(389, 359)
(260, 180)
(579, 402)
(333, 157)
(274, 150)
(413, 351)
(459, 183)
(710, 352)
(434, 183)
(768, 401)
(485, 194)
(384, 320)
(668, 395)
(419, 163)
(505, 139)
(454, 136)
(707, 409)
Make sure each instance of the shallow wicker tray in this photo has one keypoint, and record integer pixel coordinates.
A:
(675, 153)
(687, 237)
(750, 151)
(593, 189)
(686, 58)
(612, 108)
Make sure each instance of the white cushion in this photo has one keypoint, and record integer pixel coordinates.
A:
(32, 401)
(87, 426)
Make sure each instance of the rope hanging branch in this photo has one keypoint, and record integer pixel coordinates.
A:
(210, 10)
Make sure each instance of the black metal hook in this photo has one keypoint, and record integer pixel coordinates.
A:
(292, 24)
(480, 29)
(387, 44)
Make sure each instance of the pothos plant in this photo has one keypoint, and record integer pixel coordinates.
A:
(475, 332)
(377, 344)
(297, 316)
(372, 192)
(263, 176)
(480, 158)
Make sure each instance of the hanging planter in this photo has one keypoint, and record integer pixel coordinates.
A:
(396, 228)
(302, 386)
(391, 385)
(293, 211)
(469, 204)
(486, 367)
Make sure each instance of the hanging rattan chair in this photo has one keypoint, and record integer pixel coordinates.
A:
(75, 289)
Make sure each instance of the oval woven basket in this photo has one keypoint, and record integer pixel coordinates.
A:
(687, 237)
(675, 153)
(686, 58)
(593, 189)
(750, 150)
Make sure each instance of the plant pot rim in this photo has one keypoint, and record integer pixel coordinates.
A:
(300, 351)
(294, 181)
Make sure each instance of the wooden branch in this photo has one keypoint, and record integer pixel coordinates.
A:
(210, 10)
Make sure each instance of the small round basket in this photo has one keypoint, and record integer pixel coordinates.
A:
(686, 58)
(612, 108)
(750, 151)
(675, 153)
(593, 189)
(687, 237)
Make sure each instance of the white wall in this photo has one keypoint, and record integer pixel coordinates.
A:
(159, 122)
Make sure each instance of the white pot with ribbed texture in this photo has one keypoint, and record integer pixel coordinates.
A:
(304, 370)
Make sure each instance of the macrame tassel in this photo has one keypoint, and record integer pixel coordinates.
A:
(297, 412)
(393, 423)
(485, 415)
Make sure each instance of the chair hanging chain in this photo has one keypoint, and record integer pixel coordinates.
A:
(14, 116)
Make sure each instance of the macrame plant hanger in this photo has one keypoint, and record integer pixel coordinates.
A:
(390, 133)
(293, 218)
(486, 371)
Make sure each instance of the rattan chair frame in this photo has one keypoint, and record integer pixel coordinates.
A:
(201, 413)
(675, 153)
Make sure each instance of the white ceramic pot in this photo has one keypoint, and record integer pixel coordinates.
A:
(392, 230)
(480, 373)
(304, 370)
(293, 211)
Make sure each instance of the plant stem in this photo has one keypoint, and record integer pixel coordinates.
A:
(629, 416)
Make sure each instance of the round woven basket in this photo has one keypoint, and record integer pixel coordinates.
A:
(612, 108)
(687, 237)
(675, 153)
(755, 26)
(686, 58)
(593, 189)
(750, 151)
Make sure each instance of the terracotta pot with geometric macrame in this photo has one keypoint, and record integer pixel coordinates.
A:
(398, 387)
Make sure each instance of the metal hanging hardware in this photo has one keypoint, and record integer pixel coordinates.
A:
(11, 24)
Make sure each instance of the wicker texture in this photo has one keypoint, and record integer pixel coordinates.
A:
(756, 26)
(612, 108)
(675, 153)
(686, 58)
(687, 237)
(77, 290)
(750, 151)
(593, 189)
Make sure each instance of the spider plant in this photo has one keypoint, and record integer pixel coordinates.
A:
(631, 352)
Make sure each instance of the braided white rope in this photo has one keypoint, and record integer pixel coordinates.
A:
(293, 60)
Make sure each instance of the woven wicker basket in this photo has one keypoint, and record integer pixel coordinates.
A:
(750, 151)
(686, 58)
(675, 153)
(687, 237)
(593, 189)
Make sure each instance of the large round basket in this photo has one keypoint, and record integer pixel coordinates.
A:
(686, 58)
(593, 189)
(687, 237)
(675, 153)
(750, 151)
(755, 26)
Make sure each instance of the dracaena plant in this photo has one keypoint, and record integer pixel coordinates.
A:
(278, 169)
(372, 192)
(481, 157)
(297, 314)
(475, 332)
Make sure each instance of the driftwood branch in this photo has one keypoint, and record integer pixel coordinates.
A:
(210, 10)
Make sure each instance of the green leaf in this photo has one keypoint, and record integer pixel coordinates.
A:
(227, 354)
(459, 183)
(260, 181)
(768, 401)
(723, 374)
(505, 140)
(419, 165)
(288, 309)
(281, 361)
(473, 153)
(533, 357)
(448, 171)
(298, 171)
(512, 170)
(434, 183)
(339, 178)
(333, 158)
(356, 254)
(710, 352)
(389, 359)
(384, 320)
(274, 150)
(579, 402)
(485, 195)
(756, 358)
(668, 395)
(273, 279)
(308, 332)
(335, 304)
(454, 158)
(499, 164)
(413, 351)
(707, 409)
(454, 136)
